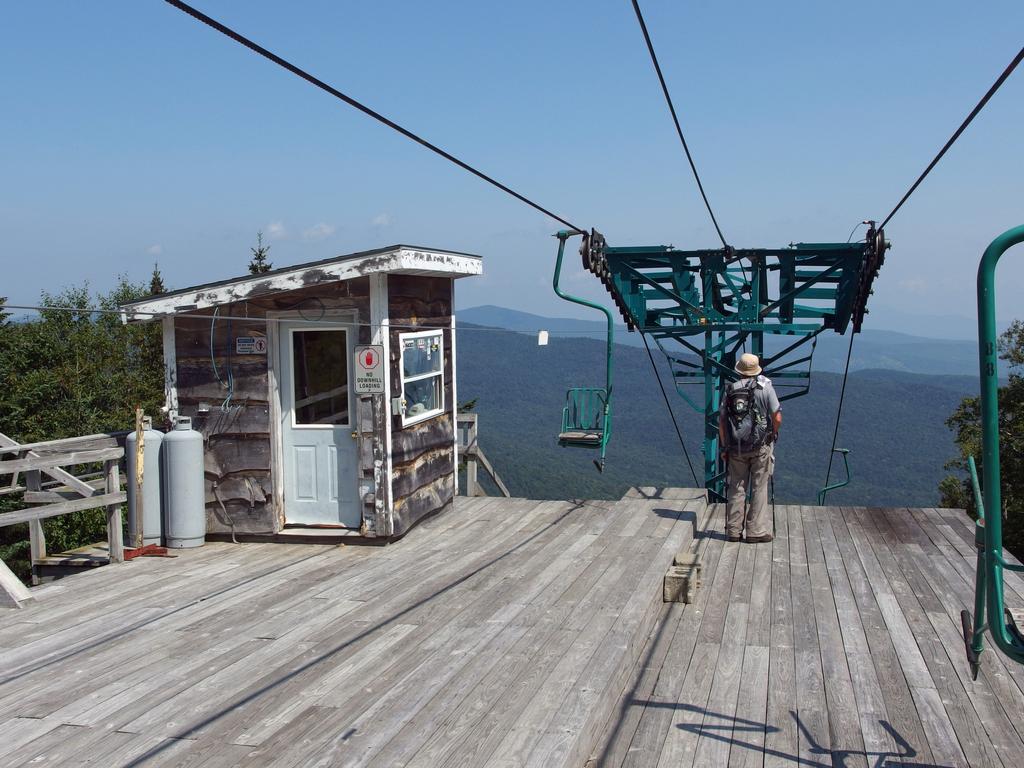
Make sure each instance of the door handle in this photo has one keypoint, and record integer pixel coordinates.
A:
(355, 435)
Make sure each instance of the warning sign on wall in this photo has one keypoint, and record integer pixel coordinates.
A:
(369, 370)
(250, 345)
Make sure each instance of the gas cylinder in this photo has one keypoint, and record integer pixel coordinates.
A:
(184, 498)
(152, 495)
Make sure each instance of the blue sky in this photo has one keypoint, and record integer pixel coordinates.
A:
(130, 133)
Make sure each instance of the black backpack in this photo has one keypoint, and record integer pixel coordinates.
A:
(746, 422)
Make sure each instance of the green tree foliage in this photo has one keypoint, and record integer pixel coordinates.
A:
(74, 371)
(965, 423)
(1011, 345)
(260, 262)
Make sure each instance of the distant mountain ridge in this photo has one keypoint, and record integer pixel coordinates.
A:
(874, 349)
(893, 423)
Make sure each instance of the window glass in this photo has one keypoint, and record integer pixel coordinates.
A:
(422, 354)
(422, 396)
(320, 376)
(422, 375)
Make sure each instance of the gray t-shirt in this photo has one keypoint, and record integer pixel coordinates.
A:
(764, 393)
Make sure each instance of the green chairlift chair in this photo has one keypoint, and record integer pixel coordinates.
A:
(587, 415)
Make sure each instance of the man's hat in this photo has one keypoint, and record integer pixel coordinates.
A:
(748, 365)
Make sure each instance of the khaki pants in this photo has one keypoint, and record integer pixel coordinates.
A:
(756, 470)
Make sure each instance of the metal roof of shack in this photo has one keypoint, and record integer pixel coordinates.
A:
(394, 259)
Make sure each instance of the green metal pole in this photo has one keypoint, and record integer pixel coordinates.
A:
(977, 640)
(988, 355)
(712, 376)
(757, 339)
(562, 237)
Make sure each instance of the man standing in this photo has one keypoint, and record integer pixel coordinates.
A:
(748, 426)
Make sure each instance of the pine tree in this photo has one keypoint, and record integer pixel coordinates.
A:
(156, 282)
(259, 263)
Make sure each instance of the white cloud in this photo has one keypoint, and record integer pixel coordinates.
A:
(381, 220)
(915, 285)
(155, 250)
(318, 231)
(276, 230)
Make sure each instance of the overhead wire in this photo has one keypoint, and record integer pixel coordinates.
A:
(704, 197)
(352, 102)
(839, 409)
(855, 228)
(956, 134)
(913, 187)
(668, 406)
(323, 317)
(675, 119)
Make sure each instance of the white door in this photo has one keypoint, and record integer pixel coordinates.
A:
(317, 424)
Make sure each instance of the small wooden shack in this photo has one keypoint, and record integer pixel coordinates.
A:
(264, 365)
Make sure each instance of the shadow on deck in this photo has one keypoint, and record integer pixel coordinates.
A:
(836, 644)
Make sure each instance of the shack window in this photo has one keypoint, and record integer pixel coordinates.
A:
(320, 378)
(422, 375)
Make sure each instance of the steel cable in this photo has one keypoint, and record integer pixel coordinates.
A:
(242, 40)
(956, 135)
(839, 409)
(668, 406)
(675, 119)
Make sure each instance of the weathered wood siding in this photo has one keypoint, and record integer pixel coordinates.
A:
(238, 440)
(422, 475)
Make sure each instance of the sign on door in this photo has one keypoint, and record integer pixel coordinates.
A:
(369, 370)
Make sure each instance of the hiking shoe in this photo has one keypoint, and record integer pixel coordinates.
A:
(734, 538)
(759, 539)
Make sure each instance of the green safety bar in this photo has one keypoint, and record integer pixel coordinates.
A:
(989, 606)
(582, 402)
(821, 494)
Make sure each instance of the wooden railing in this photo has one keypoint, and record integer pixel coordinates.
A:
(473, 455)
(64, 493)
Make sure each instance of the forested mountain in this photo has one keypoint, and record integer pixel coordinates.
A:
(893, 424)
(889, 350)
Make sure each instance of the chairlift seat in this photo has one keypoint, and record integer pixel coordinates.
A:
(585, 419)
(589, 438)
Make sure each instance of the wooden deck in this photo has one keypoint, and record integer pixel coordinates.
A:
(501, 633)
(510, 632)
(837, 644)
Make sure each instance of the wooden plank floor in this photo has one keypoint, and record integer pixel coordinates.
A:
(837, 644)
(502, 632)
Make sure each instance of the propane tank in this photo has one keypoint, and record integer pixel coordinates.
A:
(184, 500)
(152, 497)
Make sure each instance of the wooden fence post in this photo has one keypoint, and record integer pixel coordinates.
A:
(140, 462)
(468, 429)
(36, 535)
(472, 484)
(115, 541)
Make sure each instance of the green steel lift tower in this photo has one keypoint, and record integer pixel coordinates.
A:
(705, 307)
